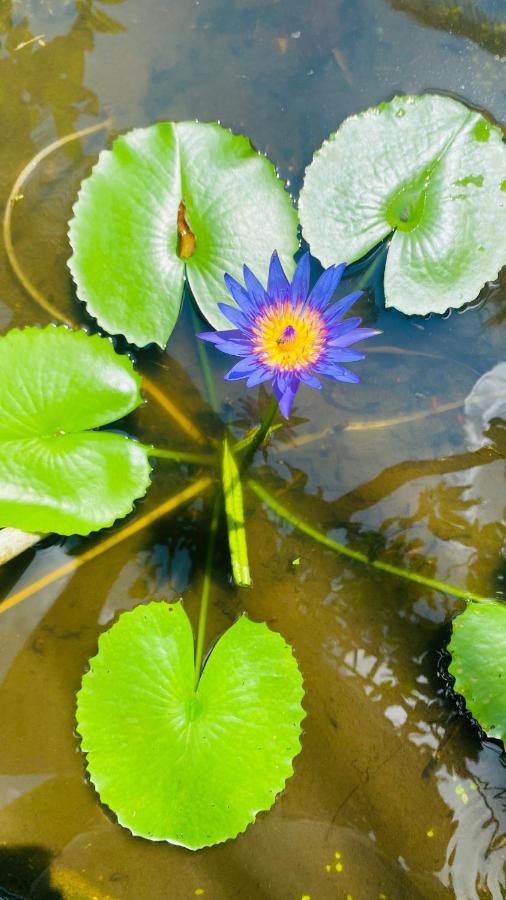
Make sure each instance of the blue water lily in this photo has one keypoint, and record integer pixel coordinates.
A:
(288, 335)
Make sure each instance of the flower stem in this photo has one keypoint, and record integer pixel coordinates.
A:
(206, 587)
(322, 538)
(256, 437)
(201, 459)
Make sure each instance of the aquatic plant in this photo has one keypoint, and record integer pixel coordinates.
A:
(174, 202)
(288, 335)
(180, 202)
(432, 172)
(182, 755)
(478, 665)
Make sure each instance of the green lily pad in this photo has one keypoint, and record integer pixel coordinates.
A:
(192, 767)
(478, 649)
(167, 200)
(428, 169)
(55, 474)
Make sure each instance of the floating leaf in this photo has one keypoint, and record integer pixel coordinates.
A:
(430, 170)
(478, 649)
(169, 199)
(234, 509)
(185, 765)
(55, 474)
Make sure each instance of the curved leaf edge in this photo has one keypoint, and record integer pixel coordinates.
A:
(458, 688)
(290, 767)
(99, 164)
(12, 335)
(389, 231)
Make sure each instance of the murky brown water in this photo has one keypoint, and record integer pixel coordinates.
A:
(392, 785)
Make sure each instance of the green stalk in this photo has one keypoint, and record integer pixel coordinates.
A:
(322, 538)
(201, 459)
(206, 587)
(255, 438)
(206, 368)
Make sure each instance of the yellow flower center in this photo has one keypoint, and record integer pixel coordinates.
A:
(289, 338)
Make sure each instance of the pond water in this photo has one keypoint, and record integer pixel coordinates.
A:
(395, 793)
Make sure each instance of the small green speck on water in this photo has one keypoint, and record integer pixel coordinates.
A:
(481, 130)
(199, 892)
(296, 562)
(430, 833)
(503, 185)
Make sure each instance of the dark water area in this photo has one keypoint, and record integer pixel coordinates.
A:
(395, 794)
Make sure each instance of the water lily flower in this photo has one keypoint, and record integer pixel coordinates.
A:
(288, 335)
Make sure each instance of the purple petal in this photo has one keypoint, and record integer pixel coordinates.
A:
(324, 289)
(336, 354)
(235, 316)
(351, 337)
(240, 296)
(311, 380)
(255, 290)
(262, 374)
(338, 373)
(278, 286)
(300, 281)
(235, 348)
(243, 369)
(339, 309)
(287, 398)
(216, 337)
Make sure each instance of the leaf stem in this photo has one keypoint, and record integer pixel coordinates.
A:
(206, 587)
(202, 459)
(322, 538)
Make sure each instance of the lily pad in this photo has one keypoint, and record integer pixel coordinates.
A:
(192, 766)
(478, 649)
(431, 171)
(169, 200)
(55, 474)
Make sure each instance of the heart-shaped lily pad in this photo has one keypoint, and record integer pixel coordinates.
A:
(185, 765)
(478, 649)
(428, 169)
(169, 199)
(55, 474)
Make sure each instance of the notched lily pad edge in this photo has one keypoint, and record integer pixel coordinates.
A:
(489, 123)
(253, 815)
(455, 696)
(71, 262)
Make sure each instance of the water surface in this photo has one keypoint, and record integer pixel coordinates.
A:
(395, 794)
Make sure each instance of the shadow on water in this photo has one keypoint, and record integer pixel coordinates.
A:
(466, 19)
(21, 868)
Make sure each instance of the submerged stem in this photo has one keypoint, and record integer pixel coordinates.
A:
(322, 538)
(75, 562)
(206, 587)
(202, 459)
(206, 368)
